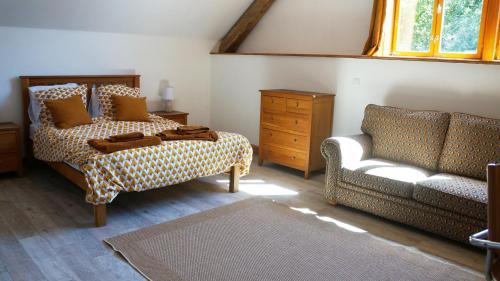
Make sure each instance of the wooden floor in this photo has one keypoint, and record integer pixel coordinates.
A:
(46, 230)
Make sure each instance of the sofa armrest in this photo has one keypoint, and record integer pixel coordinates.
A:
(341, 152)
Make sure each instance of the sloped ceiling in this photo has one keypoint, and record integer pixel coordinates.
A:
(209, 19)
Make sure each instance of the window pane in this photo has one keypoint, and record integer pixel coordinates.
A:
(460, 26)
(415, 25)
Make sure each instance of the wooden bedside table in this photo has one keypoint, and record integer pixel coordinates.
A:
(177, 116)
(10, 148)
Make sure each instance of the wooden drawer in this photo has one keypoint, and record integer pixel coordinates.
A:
(298, 106)
(283, 156)
(273, 104)
(284, 139)
(9, 162)
(287, 122)
(8, 142)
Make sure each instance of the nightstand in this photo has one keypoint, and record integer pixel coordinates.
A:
(177, 116)
(10, 148)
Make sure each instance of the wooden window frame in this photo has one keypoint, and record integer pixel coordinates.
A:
(489, 16)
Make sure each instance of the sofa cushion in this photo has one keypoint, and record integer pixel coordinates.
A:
(454, 193)
(471, 143)
(384, 176)
(403, 135)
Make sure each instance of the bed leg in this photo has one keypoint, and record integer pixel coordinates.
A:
(99, 215)
(234, 178)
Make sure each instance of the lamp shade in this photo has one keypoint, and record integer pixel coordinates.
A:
(167, 93)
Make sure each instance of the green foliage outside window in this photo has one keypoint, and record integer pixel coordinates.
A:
(423, 26)
(460, 27)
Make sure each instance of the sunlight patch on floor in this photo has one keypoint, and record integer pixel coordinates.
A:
(306, 211)
(341, 224)
(261, 188)
(338, 223)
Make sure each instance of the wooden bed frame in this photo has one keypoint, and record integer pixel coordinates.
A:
(73, 175)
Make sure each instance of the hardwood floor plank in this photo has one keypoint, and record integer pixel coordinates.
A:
(52, 266)
(19, 265)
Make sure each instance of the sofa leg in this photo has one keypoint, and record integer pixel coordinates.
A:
(99, 215)
(234, 178)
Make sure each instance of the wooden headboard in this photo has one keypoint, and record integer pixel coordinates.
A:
(90, 80)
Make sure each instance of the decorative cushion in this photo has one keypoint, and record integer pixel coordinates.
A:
(454, 193)
(130, 109)
(471, 143)
(105, 92)
(384, 176)
(69, 112)
(403, 135)
(54, 94)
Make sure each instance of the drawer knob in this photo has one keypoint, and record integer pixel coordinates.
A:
(295, 140)
(297, 104)
(296, 122)
(272, 100)
(293, 157)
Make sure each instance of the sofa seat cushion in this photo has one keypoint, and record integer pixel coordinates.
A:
(471, 144)
(465, 196)
(407, 136)
(384, 176)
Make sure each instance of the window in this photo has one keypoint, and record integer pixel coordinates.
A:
(439, 28)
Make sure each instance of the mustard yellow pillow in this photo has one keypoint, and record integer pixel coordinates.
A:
(130, 108)
(69, 112)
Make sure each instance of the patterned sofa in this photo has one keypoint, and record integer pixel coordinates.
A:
(422, 168)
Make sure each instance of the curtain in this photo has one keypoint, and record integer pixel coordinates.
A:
(376, 27)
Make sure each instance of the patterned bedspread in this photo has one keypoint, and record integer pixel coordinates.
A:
(139, 169)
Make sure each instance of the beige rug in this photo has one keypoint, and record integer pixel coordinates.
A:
(258, 239)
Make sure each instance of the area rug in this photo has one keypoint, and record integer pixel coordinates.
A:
(258, 239)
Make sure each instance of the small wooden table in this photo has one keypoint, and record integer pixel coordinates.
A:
(10, 148)
(177, 116)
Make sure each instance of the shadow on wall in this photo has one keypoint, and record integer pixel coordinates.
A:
(422, 98)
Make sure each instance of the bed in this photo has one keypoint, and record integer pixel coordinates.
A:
(104, 176)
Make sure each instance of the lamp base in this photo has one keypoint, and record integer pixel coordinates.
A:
(168, 105)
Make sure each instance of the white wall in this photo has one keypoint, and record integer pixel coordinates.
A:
(312, 26)
(469, 88)
(184, 62)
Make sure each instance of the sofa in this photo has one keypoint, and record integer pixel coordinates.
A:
(426, 169)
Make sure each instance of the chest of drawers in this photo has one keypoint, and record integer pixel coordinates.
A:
(292, 126)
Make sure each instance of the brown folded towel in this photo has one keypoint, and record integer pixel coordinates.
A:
(191, 130)
(126, 137)
(173, 135)
(106, 146)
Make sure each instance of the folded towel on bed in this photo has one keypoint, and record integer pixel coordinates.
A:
(191, 130)
(173, 135)
(106, 146)
(126, 137)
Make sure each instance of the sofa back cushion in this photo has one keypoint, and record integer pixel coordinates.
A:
(471, 143)
(407, 136)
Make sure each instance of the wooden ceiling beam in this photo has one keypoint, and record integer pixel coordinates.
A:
(245, 24)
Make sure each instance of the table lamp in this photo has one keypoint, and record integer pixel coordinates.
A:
(167, 96)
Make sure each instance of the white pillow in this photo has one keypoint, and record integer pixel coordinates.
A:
(34, 107)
